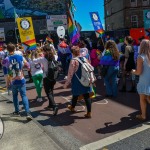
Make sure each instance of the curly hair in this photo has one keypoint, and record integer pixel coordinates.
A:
(112, 47)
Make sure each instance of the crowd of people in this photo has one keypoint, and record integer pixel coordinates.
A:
(112, 60)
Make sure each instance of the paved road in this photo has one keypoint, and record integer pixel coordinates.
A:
(109, 116)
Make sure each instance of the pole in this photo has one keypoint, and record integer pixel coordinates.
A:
(16, 35)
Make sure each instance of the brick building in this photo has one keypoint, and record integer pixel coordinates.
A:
(122, 15)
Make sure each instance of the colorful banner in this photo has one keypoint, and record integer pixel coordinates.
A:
(26, 32)
(97, 24)
(146, 17)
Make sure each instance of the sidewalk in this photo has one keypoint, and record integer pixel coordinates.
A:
(19, 134)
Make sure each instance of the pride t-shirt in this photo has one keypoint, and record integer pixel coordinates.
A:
(15, 69)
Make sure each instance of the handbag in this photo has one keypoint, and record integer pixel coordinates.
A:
(104, 70)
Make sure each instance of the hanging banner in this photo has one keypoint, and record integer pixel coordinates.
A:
(26, 32)
(97, 23)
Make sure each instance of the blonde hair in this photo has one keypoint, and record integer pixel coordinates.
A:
(145, 48)
(112, 47)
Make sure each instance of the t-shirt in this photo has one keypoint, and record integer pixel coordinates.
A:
(15, 69)
(36, 67)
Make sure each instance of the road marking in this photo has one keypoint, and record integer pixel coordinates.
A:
(116, 138)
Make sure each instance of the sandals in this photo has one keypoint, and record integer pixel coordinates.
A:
(139, 117)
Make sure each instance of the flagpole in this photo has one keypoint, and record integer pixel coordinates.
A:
(16, 16)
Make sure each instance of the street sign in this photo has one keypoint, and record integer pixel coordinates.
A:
(53, 21)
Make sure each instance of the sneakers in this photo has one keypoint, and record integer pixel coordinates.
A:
(39, 99)
(99, 77)
(55, 111)
(29, 117)
(17, 114)
(65, 78)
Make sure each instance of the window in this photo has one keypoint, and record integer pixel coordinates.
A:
(133, 3)
(145, 2)
(134, 21)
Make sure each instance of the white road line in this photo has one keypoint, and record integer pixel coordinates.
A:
(115, 138)
(106, 102)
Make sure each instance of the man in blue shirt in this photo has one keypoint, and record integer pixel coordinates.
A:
(17, 80)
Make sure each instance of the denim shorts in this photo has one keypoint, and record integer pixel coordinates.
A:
(5, 70)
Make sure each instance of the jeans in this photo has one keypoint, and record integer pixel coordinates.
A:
(22, 89)
(49, 87)
(111, 81)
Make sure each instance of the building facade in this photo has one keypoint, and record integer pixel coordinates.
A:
(37, 9)
(122, 15)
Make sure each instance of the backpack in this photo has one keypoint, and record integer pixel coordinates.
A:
(87, 74)
(53, 70)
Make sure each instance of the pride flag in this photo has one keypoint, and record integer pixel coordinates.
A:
(31, 44)
(49, 39)
(72, 29)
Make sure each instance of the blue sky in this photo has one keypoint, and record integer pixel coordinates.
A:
(83, 7)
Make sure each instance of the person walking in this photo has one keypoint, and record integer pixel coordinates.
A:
(143, 70)
(110, 60)
(77, 88)
(37, 74)
(49, 78)
(17, 80)
(129, 64)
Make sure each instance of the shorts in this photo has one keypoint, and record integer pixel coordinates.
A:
(5, 70)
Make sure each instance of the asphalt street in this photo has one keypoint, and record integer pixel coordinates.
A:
(113, 125)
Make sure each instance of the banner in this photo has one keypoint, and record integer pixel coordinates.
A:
(137, 33)
(2, 35)
(146, 17)
(97, 23)
(26, 32)
(53, 21)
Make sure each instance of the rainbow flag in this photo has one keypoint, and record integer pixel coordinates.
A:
(49, 39)
(72, 29)
(31, 44)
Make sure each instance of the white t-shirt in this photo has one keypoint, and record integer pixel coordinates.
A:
(36, 67)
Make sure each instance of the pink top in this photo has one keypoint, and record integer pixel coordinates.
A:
(73, 67)
(94, 58)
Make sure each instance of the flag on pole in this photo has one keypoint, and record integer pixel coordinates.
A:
(15, 15)
(97, 24)
(72, 29)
